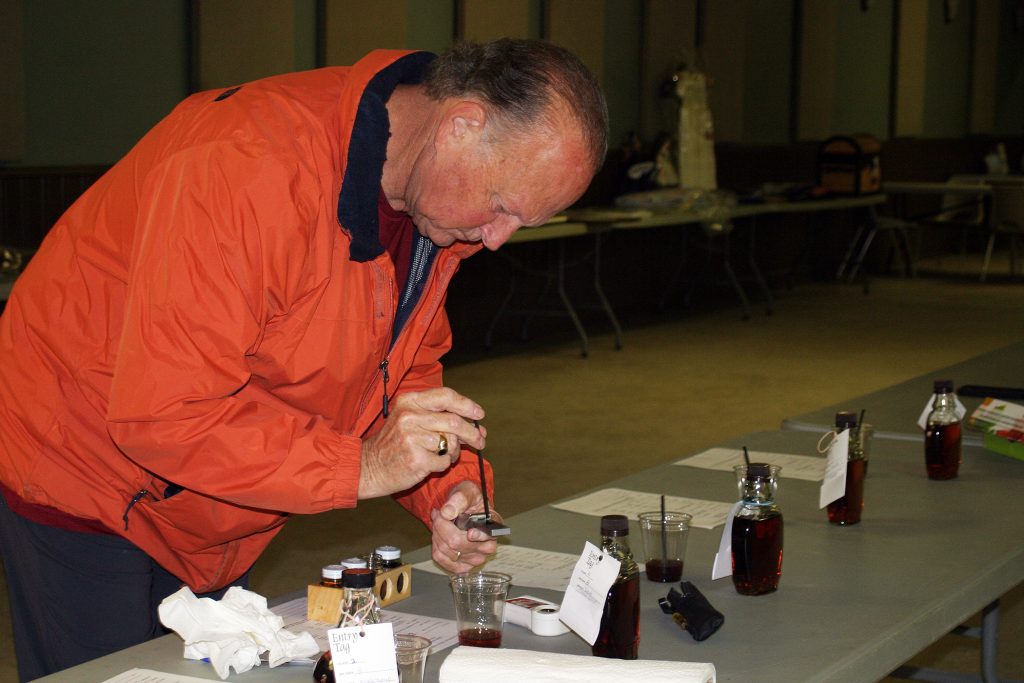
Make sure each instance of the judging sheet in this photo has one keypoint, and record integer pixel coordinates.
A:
(527, 566)
(442, 633)
(150, 676)
(806, 467)
(707, 514)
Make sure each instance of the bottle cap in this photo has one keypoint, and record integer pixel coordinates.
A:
(389, 552)
(759, 470)
(354, 563)
(359, 578)
(846, 420)
(943, 386)
(332, 571)
(614, 525)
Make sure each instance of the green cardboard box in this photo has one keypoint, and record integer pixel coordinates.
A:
(1002, 423)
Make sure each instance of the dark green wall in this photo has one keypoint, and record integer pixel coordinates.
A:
(98, 75)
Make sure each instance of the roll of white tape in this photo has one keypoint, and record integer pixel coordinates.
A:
(545, 622)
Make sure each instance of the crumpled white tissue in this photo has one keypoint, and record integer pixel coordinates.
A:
(234, 631)
(475, 664)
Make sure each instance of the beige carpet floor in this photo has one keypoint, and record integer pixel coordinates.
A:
(560, 424)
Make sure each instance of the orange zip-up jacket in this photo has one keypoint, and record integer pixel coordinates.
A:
(196, 349)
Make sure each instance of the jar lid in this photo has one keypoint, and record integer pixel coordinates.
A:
(359, 578)
(332, 571)
(943, 386)
(614, 525)
(846, 420)
(389, 552)
(759, 470)
(354, 563)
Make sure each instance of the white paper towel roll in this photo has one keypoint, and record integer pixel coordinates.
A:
(475, 664)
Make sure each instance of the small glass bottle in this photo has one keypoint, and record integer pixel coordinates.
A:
(846, 510)
(619, 635)
(390, 557)
(757, 531)
(354, 563)
(942, 434)
(330, 576)
(359, 604)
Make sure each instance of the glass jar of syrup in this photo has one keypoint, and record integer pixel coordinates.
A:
(619, 634)
(942, 434)
(757, 531)
(330, 575)
(390, 557)
(846, 510)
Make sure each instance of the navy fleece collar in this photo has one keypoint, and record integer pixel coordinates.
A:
(357, 201)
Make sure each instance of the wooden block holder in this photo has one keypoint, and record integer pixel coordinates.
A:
(324, 604)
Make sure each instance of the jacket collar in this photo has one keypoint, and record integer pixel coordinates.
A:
(364, 167)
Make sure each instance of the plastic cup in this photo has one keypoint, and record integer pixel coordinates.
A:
(480, 607)
(664, 541)
(411, 651)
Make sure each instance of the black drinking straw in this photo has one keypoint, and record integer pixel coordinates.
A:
(664, 535)
(483, 479)
(746, 456)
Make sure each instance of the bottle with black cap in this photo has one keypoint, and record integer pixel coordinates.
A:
(942, 434)
(846, 510)
(619, 635)
(757, 531)
(358, 603)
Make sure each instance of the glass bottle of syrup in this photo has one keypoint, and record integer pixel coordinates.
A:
(942, 434)
(757, 531)
(846, 510)
(619, 635)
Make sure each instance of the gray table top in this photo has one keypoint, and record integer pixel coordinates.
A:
(894, 411)
(853, 604)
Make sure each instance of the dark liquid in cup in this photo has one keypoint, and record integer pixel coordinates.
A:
(665, 571)
(480, 637)
(846, 510)
(619, 636)
(942, 450)
(756, 554)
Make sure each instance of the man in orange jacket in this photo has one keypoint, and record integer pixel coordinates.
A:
(244, 319)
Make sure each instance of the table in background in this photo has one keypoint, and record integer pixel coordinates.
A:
(854, 602)
(553, 271)
(751, 212)
(894, 411)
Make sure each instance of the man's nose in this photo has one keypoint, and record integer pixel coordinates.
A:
(497, 232)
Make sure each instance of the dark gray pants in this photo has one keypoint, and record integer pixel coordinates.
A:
(75, 596)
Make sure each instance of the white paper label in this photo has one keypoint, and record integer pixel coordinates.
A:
(834, 485)
(583, 604)
(364, 654)
(959, 407)
(723, 558)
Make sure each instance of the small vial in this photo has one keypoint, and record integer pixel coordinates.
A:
(359, 604)
(354, 563)
(330, 575)
(390, 556)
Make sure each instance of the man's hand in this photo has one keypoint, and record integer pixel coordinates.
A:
(454, 549)
(405, 451)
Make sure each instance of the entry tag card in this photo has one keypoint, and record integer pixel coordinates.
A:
(834, 485)
(723, 558)
(364, 654)
(587, 591)
(959, 407)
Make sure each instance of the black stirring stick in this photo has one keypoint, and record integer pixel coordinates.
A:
(746, 456)
(483, 479)
(664, 535)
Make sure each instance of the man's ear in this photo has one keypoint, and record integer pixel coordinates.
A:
(464, 121)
